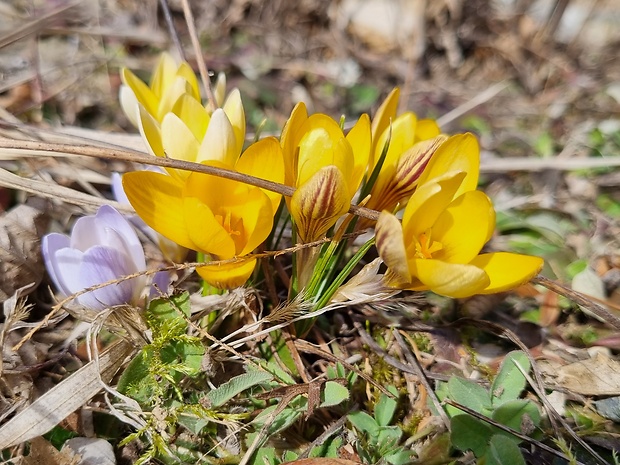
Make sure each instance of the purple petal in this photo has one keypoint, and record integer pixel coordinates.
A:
(117, 189)
(67, 264)
(114, 220)
(51, 244)
(160, 284)
(101, 264)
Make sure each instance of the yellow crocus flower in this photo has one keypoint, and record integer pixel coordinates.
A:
(168, 83)
(412, 143)
(212, 215)
(325, 166)
(445, 225)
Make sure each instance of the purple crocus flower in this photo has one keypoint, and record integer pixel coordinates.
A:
(101, 248)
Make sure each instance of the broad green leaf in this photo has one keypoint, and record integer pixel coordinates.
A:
(388, 437)
(503, 451)
(184, 356)
(328, 448)
(231, 388)
(193, 423)
(469, 394)
(512, 414)
(469, 433)
(364, 423)
(386, 407)
(510, 382)
(284, 419)
(265, 456)
(174, 308)
(400, 456)
(333, 394)
(136, 381)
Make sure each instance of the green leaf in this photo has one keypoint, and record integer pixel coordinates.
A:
(469, 394)
(503, 451)
(469, 433)
(185, 356)
(388, 437)
(333, 394)
(165, 310)
(328, 448)
(510, 382)
(364, 423)
(265, 456)
(193, 423)
(136, 381)
(511, 414)
(234, 386)
(399, 457)
(385, 408)
(284, 419)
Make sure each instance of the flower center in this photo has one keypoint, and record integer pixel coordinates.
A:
(425, 247)
(233, 226)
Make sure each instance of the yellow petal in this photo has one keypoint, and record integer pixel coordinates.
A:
(227, 275)
(233, 107)
(244, 211)
(384, 116)
(449, 279)
(164, 74)
(360, 140)
(317, 149)
(187, 73)
(507, 270)
(460, 153)
(178, 141)
(219, 143)
(219, 90)
(178, 88)
(157, 199)
(263, 159)
(151, 132)
(129, 104)
(391, 248)
(317, 204)
(402, 137)
(462, 228)
(143, 94)
(290, 139)
(426, 129)
(428, 202)
(205, 231)
(395, 184)
(193, 114)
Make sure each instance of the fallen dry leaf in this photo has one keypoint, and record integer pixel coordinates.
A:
(43, 452)
(598, 376)
(20, 253)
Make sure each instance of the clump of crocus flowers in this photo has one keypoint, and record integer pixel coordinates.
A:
(389, 163)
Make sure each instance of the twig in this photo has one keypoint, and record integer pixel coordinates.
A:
(137, 157)
(35, 25)
(415, 363)
(473, 103)
(330, 431)
(580, 299)
(202, 67)
(165, 8)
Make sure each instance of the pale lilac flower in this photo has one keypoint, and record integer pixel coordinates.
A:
(101, 248)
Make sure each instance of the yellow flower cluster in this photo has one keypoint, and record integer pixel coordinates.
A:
(445, 224)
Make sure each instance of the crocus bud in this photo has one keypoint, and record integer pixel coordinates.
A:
(101, 248)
